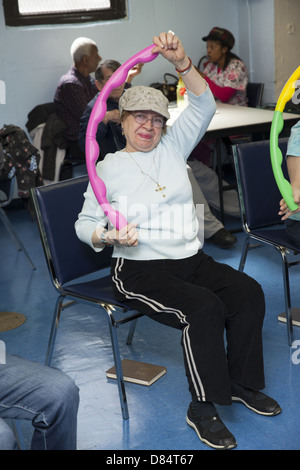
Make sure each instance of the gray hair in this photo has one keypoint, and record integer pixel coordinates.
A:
(109, 64)
(81, 47)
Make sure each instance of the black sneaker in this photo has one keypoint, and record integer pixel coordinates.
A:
(211, 430)
(256, 401)
(223, 238)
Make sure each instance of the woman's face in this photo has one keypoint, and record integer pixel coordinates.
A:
(141, 137)
(216, 52)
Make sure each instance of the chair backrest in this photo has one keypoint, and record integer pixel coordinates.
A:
(254, 94)
(111, 143)
(258, 191)
(57, 206)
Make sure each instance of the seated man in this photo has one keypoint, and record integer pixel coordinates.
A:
(75, 89)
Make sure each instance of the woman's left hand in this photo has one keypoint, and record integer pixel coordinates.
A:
(171, 48)
(284, 211)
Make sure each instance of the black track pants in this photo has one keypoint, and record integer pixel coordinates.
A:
(202, 298)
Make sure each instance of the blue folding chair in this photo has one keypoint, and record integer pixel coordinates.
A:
(69, 262)
(259, 204)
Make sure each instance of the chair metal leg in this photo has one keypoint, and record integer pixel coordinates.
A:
(18, 434)
(220, 179)
(53, 331)
(118, 365)
(14, 236)
(244, 254)
(131, 332)
(115, 348)
(287, 295)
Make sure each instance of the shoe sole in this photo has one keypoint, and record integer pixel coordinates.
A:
(240, 400)
(205, 441)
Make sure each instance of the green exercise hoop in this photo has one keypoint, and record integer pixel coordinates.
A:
(276, 154)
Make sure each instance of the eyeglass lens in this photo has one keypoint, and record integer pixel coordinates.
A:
(157, 121)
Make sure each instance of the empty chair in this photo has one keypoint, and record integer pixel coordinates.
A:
(70, 262)
(254, 94)
(259, 204)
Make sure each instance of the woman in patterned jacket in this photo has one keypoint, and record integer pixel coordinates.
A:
(225, 72)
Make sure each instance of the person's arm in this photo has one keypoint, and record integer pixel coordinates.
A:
(221, 93)
(91, 223)
(195, 118)
(293, 165)
(112, 116)
(136, 70)
(171, 48)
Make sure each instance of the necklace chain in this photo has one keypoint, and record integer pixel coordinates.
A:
(159, 188)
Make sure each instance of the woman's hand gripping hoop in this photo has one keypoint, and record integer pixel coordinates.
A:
(276, 154)
(91, 145)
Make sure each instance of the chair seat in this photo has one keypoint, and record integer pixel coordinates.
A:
(276, 236)
(97, 290)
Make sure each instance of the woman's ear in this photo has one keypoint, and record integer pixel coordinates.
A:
(224, 49)
(98, 85)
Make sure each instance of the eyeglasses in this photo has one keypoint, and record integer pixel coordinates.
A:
(156, 121)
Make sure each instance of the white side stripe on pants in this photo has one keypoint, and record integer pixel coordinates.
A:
(158, 307)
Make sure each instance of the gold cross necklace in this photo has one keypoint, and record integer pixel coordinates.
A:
(159, 188)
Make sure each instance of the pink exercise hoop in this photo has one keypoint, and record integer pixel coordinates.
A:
(91, 146)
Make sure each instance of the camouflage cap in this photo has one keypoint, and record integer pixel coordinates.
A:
(144, 98)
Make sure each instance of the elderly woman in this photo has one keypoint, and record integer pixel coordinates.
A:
(158, 266)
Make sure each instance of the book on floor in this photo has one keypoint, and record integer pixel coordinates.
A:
(138, 372)
(295, 316)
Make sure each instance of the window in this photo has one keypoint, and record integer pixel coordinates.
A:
(35, 12)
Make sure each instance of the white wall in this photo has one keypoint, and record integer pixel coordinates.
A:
(32, 59)
(256, 42)
(287, 37)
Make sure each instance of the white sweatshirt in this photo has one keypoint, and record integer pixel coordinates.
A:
(167, 225)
